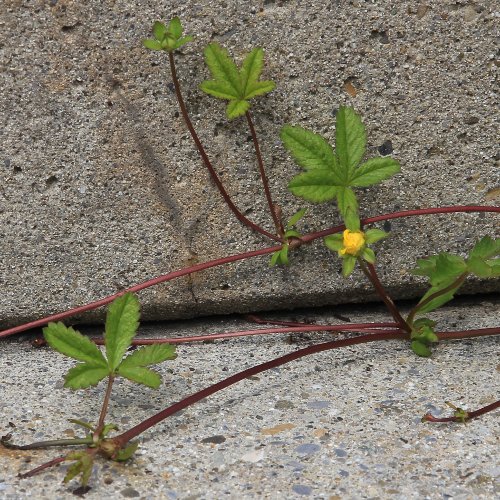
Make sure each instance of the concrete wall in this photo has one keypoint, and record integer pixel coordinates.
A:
(101, 186)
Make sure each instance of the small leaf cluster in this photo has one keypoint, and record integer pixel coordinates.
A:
(233, 84)
(167, 38)
(332, 173)
(422, 336)
(122, 322)
(84, 460)
(280, 257)
(446, 271)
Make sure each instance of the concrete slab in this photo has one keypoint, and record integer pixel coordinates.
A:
(101, 187)
(341, 424)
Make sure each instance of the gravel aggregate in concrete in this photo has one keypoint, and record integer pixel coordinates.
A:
(101, 187)
(342, 424)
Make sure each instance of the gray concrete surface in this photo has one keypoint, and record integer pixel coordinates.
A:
(101, 187)
(343, 424)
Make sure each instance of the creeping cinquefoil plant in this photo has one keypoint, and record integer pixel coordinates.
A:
(331, 174)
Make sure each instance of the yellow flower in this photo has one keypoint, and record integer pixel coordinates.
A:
(354, 241)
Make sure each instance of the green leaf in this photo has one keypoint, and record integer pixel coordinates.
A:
(369, 255)
(260, 88)
(159, 31)
(420, 349)
(334, 242)
(222, 90)
(73, 344)
(76, 468)
(83, 465)
(81, 423)
(350, 138)
(150, 355)
(348, 264)
(182, 41)
(495, 267)
(316, 185)
(250, 74)
(347, 202)
(440, 267)
(486, 248)
(374, 235)
(289, 233)
(222, 68)
(122, 322)
(419, 323)
(140, 375)
(275, 258)
(152, 44)
(373, 171)
(107, 429)
(229, 83)
(127, 452)
(251, 70)
(237, 108)
(438, 301)
(351, 220)
(310, 150)
(443, 270)
(296, 217)
(175, 27)
(479, 267)
(284, 255)
(84, 375)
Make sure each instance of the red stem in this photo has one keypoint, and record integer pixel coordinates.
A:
(42, 467)
(277, 222)
(354, 328)
(124, 438)
(428, 417)
(404, 213)
(371, 274)
(206, 160)
(233, 258)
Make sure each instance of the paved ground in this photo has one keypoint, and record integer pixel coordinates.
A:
(340, 424)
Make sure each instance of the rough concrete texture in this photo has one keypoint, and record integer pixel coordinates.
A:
(101, 186)
(342, 424)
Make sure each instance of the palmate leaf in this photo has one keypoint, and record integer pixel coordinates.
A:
(335, 172)
(122, 322)
(73, 344)
(237, 86)
(84, 375)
